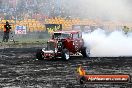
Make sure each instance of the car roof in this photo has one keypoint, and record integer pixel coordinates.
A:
(70, 32)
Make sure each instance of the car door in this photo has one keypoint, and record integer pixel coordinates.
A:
(77, 42)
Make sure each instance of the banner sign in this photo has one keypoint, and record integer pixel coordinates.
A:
(20, 30)
(101, 78)
(53, 27)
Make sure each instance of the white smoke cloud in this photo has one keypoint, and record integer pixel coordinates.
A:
(118, 10)
(110, 9)
(114, 44)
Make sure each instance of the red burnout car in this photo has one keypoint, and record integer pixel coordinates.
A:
(62, 45)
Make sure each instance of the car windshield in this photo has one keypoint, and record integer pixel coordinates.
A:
(61, 35)
(50, 46)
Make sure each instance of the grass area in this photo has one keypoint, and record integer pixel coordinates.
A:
(27, 40)
(32, 41)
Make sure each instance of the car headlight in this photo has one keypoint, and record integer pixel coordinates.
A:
(73, 43)
(59, 44)
(55, 50)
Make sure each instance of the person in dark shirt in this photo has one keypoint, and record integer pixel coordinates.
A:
(7, 28)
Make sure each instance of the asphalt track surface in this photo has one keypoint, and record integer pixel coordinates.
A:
(20, 69)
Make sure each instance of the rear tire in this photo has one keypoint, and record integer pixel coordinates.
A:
(85, 52)
(39, 54)
(65, 54)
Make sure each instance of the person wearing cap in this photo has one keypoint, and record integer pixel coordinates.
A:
(7, 28)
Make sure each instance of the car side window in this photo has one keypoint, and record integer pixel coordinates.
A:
(80, 34)
(75, 35)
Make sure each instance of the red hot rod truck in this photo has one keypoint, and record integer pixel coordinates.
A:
(62, 45)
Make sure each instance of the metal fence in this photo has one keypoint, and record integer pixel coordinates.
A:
(29, 37)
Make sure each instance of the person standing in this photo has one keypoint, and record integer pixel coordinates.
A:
(7, 28)
(126, 29)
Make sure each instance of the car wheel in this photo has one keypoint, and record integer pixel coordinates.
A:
(85, 52)
(65, 54)
(39, 54)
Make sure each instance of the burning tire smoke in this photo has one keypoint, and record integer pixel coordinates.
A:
(103, 44)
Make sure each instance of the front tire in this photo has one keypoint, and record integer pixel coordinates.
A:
(65, 54)
(39, 54)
